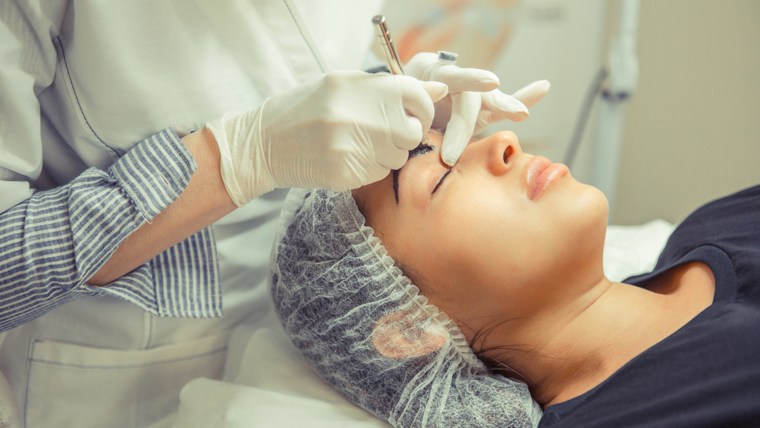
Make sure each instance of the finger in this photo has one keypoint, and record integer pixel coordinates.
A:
(534, 92)
(436, 90)
(371, 175)
(421, 64)
(461, 79)
(416, 100)
(503, 106)
(465, 107)
(406, 133)
(391, 157)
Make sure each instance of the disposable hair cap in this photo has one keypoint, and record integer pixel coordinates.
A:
(364, 327)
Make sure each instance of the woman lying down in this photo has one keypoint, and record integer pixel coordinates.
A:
(475, 296)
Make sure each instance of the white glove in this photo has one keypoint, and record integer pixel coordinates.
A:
(341, 131)
(474, 103)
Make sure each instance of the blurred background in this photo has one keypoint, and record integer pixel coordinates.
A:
(688, 133)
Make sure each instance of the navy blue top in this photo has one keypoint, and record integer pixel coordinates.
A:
(706, 374)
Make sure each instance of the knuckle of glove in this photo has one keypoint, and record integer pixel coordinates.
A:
(421, 65)
(397, 159)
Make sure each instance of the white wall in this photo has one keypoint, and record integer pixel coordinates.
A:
(692, 130)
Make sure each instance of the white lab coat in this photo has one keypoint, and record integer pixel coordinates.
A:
(117, 72)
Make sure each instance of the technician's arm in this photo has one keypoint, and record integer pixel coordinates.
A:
(204, 201)
(158, 193)
(340, 131)
(52, 242)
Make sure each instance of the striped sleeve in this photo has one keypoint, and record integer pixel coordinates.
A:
(52, 242)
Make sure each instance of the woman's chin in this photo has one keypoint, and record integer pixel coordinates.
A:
(587, 216)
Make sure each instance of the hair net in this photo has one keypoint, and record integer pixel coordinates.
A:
(364, 327)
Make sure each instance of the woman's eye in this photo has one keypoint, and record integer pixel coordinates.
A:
(441, 180)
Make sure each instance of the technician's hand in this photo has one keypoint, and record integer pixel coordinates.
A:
(473, 103)
(342, 131)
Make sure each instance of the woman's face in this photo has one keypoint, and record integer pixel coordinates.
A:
(499, 234)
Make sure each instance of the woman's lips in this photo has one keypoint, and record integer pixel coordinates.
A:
(541, 172)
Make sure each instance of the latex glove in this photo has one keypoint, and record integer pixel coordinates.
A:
(341, 131)
(473, 103)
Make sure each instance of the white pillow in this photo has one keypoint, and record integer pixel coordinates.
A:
(631, 250)
(273, 387)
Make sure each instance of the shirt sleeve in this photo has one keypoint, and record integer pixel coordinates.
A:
(51, 243)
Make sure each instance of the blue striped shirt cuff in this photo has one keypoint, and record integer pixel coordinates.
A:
(154, 172)
(52, 242)
(182, 281)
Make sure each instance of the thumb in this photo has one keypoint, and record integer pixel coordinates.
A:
(436, 90)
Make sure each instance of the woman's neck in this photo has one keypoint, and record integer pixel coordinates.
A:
(596, 342)
(575, 347)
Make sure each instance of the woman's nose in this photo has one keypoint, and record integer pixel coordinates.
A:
(497, 152)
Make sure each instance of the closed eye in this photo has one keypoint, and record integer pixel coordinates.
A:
(440, 180)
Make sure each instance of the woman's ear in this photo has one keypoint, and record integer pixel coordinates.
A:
(402, 335)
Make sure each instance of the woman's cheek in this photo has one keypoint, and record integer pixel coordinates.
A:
(453, 245)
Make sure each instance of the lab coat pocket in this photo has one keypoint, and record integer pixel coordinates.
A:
(73, 385)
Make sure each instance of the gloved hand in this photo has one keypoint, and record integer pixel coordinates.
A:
(341, 131)
(473, 103)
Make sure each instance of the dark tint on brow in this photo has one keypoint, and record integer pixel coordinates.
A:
(423, 148)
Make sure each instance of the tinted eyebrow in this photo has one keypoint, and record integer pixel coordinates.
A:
(423, 148)
(395, 183)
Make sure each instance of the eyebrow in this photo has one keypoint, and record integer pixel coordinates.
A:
(423, 148)
(395, 183)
